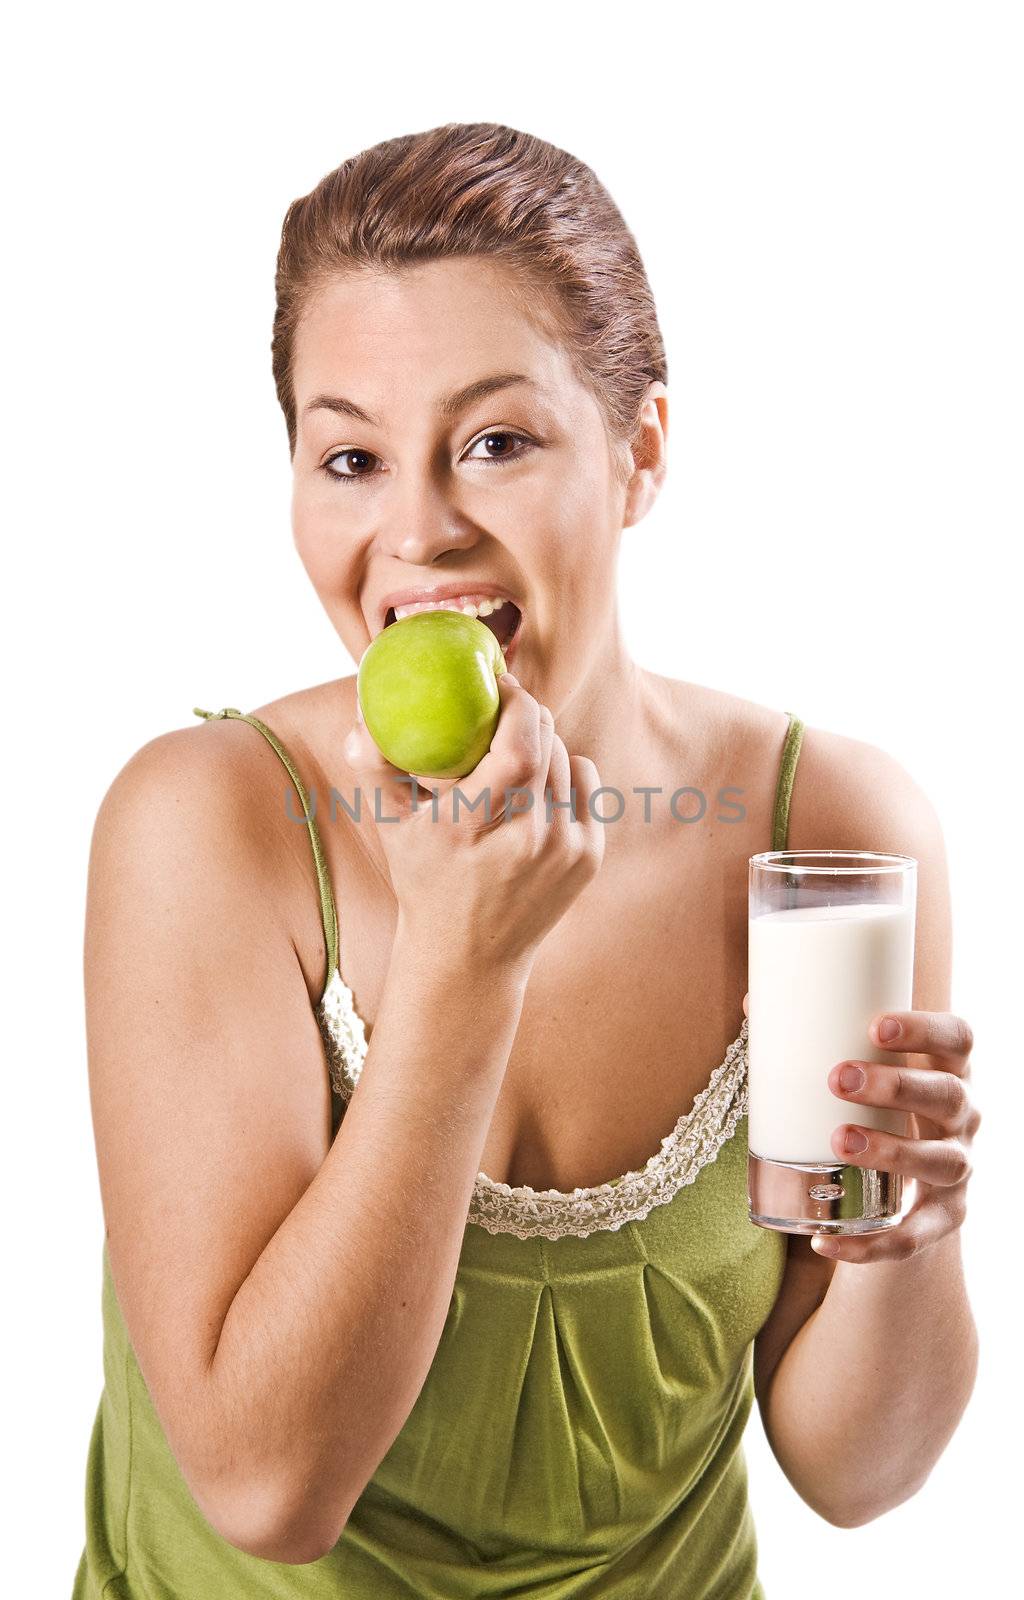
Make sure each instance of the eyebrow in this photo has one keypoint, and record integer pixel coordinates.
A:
(449, 406)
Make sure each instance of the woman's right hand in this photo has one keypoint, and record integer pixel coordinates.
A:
(481, 889)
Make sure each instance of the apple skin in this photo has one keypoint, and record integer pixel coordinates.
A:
(428, 690)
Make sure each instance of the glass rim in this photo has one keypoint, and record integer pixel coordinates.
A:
(865, 861)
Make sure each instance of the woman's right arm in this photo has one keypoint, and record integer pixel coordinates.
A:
(329, 1340)
(284, 1296)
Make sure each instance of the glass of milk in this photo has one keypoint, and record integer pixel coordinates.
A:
(831, 946)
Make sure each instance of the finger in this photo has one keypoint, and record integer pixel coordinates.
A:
(929, 1092)
(381, 787)
(929, 1219)
(586, 781)
(560, 807)
(936, 1161)
(934, 1033)
(559, 803)
(538, 783)
(519, 744)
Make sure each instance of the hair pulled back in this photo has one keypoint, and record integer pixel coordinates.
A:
(482, 189)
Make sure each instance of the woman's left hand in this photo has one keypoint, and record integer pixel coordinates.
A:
(935, 1150)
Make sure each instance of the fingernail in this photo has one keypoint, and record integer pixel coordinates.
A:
(506, 677)
(852, 1078)
(888, 1028)
(855, 1140)
(351, 745)
(825, 1247)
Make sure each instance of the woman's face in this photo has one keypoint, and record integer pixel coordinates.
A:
(403, 482)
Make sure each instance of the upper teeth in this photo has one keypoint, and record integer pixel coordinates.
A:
(480, 606)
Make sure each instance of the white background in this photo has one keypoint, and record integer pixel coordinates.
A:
(827, 198)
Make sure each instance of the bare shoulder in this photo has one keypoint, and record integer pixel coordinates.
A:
(729, 725)
(849, 794)
(210, 808)
(181, 847)
(219, 778)
(177, 776)
(316, 718)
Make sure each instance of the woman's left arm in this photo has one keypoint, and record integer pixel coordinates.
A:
(868, 1394)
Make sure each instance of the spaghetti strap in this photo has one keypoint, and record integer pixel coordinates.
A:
(784, 788)
(327, 906)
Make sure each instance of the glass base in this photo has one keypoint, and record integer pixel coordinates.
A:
(822, 1196)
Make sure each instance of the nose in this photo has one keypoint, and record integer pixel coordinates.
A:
(422, 524)
(421, 547)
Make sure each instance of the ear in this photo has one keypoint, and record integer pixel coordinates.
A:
(649, 461)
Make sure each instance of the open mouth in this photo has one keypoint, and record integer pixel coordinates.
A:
(505, 622)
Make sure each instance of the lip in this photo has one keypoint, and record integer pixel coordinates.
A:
(441, 591)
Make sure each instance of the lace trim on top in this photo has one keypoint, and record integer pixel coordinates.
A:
(693, 1143)
(344, 1035)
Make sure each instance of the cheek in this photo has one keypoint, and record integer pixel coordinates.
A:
(317, 538)
(575, 544)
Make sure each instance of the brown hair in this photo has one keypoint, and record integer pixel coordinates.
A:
(479, 188)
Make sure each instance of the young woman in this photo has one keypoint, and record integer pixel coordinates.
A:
(422, 1138)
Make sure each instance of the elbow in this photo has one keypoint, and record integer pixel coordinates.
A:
(857, 1514)
(846, 1505)
(281, 1543)
(847, 1517)
(259, 1524)
(282, 1546)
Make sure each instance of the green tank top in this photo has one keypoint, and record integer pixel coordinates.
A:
(579, 1432)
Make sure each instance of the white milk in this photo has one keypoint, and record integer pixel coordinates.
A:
(817, 975)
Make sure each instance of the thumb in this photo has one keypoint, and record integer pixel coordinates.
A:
(383, 788)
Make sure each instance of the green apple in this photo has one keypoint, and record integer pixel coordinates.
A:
(428, 690)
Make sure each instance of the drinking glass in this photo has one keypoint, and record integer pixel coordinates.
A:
(831, 946)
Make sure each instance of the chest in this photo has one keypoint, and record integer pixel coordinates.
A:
(633, 1000)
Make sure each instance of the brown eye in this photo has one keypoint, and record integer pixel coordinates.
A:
(360, 458)
(501, 436)
(500, 439)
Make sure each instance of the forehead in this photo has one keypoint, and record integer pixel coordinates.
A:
(434, 326)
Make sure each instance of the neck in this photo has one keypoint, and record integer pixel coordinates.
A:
(616, 714)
